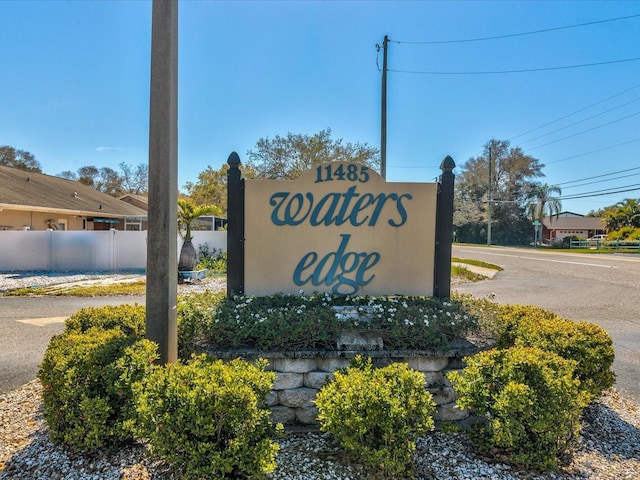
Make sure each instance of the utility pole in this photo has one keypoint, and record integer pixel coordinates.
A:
(383, 123)
(489, 199)
(162, 245)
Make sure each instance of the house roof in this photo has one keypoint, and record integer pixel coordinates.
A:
(22, 190)
(139, 200)
(573, 223)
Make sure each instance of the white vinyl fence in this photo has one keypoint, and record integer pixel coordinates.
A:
(61, 251)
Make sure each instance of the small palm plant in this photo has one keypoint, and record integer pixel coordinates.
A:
(188, 212)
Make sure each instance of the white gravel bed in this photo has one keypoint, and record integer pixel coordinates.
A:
(608, 449)
(38, 279)
(35, 280)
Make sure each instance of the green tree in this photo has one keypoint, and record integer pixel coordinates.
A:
(88, 175)
(513, 175)
(285, 158)
(622, 214)
(135, 180)
(21, 159)
(110, 182)
(547, 201)
(211, 187)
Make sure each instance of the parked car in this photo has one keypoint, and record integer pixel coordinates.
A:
(596, 239)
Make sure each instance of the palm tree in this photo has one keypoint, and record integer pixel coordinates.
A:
(546, 201)
(188, 212)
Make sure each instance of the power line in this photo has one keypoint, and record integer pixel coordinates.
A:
(599, 176)
(580, 121)
(599, 193)
(576, 112)
(525, 70)
(585, 131)
(593, 151)
(497, 37)
(428, 166)
(601, 181)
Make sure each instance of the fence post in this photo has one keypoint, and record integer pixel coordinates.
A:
(235, 227)
(444, 230)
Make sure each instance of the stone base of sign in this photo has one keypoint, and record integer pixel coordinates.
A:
(300, 375)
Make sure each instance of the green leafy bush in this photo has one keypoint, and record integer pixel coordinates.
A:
(377, 414)
(195, 314)
(530, 400)
(207, 418)
(213, 259)
(87, 380)
(130, 319)
(586, 343)
(510, 317)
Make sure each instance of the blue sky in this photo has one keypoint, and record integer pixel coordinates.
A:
(75, 84)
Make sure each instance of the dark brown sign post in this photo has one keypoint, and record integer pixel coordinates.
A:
(444, 230)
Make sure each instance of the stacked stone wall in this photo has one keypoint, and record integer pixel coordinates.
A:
(298, 380)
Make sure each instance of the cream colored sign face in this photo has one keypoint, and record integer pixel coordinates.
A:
(339, 228)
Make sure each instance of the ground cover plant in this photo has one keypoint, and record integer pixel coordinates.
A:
(477, 263)
(458, 271)
(315, 322)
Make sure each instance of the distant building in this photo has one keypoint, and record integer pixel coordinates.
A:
(567, 224)
(34, 201)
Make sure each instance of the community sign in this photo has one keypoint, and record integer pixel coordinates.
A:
(339, 228)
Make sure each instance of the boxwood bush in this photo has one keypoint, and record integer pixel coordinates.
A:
(87, 375)
(588, 344)
(530, 400)
(209, 419)
(377, 414)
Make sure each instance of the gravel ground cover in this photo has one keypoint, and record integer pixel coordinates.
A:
(36, 280)
(609, 446)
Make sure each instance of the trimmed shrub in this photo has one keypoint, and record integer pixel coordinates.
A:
(510, 317)
(588, 344)
(87, 381)
(130, 319)
(530, 400)
(208, 419)
(377, 414)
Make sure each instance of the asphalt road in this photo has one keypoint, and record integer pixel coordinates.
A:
(26, 326)
(602, 289)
